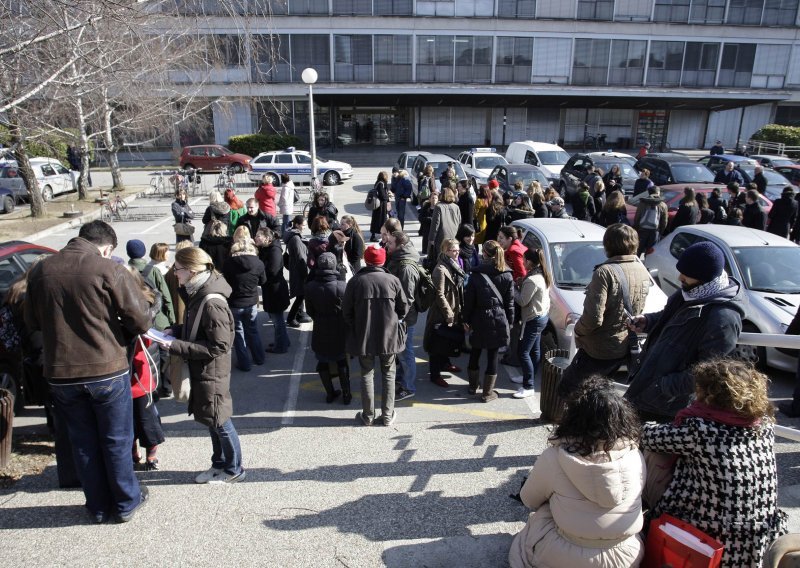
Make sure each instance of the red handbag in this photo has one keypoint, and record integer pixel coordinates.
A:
(672, 542)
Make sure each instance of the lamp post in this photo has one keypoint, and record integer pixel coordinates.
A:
(309, 78)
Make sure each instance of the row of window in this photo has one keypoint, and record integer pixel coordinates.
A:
(484, 59)
(740, 12)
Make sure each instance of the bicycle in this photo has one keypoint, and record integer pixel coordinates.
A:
(191, 182)
(113, 209)
(595, 142)
(226, 179)
(158, 183)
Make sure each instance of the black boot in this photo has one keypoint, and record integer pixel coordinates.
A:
(325, 376)
(344, 380)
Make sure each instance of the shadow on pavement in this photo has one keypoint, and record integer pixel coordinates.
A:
(464, 551)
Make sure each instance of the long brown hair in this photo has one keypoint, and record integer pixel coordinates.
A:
(536, 258)
(493, 250)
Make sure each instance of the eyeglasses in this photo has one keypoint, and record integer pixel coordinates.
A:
(180, 269)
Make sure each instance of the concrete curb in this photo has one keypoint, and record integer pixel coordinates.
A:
(78, 221)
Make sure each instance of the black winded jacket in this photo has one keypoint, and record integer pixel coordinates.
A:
(258, 221)
(244, 273)
(298, 261)
(324, 295)
(487, 316)
(782, 216)
(275, 291)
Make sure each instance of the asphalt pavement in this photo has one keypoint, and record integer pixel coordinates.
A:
(431, 490)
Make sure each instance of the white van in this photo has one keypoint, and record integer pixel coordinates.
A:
(550, 157)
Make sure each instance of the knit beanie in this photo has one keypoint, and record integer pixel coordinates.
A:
(375, 256)
(326, 261)
(135, 249)
(702, 261)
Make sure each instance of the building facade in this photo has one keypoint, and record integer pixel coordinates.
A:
(419, 73)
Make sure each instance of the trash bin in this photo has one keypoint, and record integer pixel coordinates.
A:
(6, 425)
(551, 405)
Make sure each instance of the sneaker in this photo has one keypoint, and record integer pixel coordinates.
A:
(97, 518)
(524, 393)
(361, 418)
(223, 477)
(440, 382)
(404, 394)
(389, 420)
(293, 323)
(207, 476)
(516, 379)
(151, 465)
(124, 518)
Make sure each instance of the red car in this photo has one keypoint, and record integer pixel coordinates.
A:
(15, 258)
(213, 157)
(673, 193)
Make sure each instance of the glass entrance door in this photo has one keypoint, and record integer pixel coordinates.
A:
(376, 127)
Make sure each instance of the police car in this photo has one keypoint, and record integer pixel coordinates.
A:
(297, 163)
(478, 163)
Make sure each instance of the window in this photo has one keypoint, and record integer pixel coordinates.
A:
(352, 58)
(707, 11)
(736, 68)
(681, 242)
(263, 159)
(596, 9)
(283, 159)
(435, 59)
(590, 62)
(352, 7)
(552, 58)
(473, 59)
(516, 9)
(700, 64)
(224, 50)
(770, 66)
(310, 51)
(302, 7)
(671, 11)
(392, 7)
(666, 61)
(627, 62)
(48, 170)
(745, 12)
(436, 8)
(513, 60)
(392, 59)
(779, 13)
(270, 60)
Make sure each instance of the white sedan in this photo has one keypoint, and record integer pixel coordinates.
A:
(766, 265)
(297, 163)
(572, 250)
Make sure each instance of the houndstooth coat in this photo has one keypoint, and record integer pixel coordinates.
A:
(725, 484)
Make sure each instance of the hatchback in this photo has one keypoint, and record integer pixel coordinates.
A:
(211, 157)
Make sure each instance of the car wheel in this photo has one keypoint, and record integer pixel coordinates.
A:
(237, 168)
(755, 354)
(330, 178)
(549, 341)
(47, 193)
(10, 382)
(8, 204)
(274, 179)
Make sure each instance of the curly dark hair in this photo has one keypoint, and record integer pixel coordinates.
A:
(596, 417)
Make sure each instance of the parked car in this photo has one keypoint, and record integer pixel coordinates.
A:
(773, 161)
(478, 163)
(718, 162)
(668, 168)
(7, 157)
(507, 175)
(211, 157)
(550, 157)
(574, 171)
(51, 175)
(672, 194)
(775, 181)
(7, 200)
(792, 173)
(439, 163)
(297, 163)
(766, 265)
(572, 249)
(406, 160)
(15, 258)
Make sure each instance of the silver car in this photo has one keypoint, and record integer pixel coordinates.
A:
(51, 175)
(572, 249)
(766, 265)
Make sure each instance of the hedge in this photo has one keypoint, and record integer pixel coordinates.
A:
(254, 144)
(789, 135)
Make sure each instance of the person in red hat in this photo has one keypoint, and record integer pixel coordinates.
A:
(374, 306)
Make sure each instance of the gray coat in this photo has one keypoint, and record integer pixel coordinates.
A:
(374, 306)
(399, 264)
(445, 221)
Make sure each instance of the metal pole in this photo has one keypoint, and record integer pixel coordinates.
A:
(313, 135)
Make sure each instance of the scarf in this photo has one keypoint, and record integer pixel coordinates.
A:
(701, 410)
(467, 252)
(708, 290)
(193, 285)
(455, 270)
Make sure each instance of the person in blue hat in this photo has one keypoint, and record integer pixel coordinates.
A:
(701, 321)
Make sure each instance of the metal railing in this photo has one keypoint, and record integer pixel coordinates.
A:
(778, 148)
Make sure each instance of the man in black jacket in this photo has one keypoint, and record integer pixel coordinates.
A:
(256, 219)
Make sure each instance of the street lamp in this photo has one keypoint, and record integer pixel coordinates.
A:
(309, 78)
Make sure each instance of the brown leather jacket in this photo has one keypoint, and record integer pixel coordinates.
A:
(88, 308)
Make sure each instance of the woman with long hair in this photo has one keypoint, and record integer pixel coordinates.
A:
(183, 215)
(208, 354)
(488, 314)
(445, 221)
(380, 192)
(237, 209)
(688, 212)
(467, 251)
(533, 298)
(613, 179)
(586, 487)
(322, 207)
(275, 289)
(706, 214)
(614, 210)
(481, 207)
(540, 210)
(444, 316)
(495, 217)
(353, 247)
(722, 456)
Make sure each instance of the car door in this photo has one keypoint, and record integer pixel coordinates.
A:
(575, 174)
(303, 167)
(66, 177)
(216, 158)
(46, 175)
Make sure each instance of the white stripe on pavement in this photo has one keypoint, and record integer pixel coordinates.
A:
(294, 382)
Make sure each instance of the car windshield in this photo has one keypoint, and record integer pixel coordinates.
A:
(442, 166)
(573, 263)
(225, 151)
(489, 162)
(773, 178)
(553, 157)
(526, 177)
(692, 173)
(625, 167)
(778, 271)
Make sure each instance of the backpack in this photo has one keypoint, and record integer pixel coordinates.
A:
(650, 218)
(215, 228)
(424, 189)
(425, 292)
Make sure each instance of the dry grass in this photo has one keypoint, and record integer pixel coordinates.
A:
(30, 456)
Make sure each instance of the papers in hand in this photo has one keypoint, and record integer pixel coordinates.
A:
(688, 539)
(158, 336)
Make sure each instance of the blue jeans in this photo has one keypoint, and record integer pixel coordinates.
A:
(407, 367)
(227, 450)
(529, 350)
(99, 420)
(287, 220)
(281, 335)
(247, 337)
